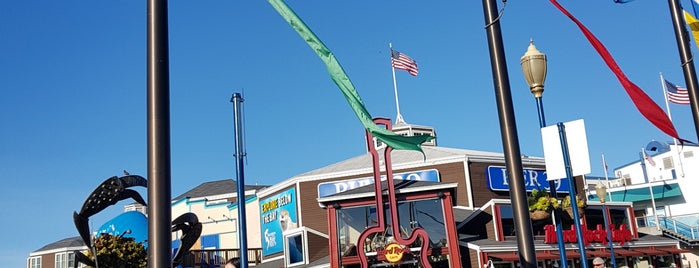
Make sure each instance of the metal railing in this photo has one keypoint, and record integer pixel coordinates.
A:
(218, 257)
(679, 229)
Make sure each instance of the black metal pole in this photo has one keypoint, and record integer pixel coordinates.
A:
(552, 186)
(510, 142)
(159, 210)
(683, 46)
(237, 101)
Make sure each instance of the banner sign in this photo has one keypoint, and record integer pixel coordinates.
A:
(533, 179)
(334, 187)
(599, 235)
(277, 215)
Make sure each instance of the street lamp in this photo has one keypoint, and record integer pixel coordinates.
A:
(534, 68)
(601, 191)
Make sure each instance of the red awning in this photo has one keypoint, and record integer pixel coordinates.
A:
(574, 254)
(626, 253)
(650, 251)
(673, 250)
(599, 253)
(505, 256)
(545, 255)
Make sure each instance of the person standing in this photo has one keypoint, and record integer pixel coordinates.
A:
(233, 263)
(598, 263)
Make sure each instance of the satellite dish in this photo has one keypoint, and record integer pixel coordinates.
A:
(657, 147)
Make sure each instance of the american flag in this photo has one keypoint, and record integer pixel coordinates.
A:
(676, 94)
(403, 62)
(648, 158)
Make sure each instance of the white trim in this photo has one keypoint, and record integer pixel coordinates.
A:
(467, 181)
(398, 191)
(56, 250)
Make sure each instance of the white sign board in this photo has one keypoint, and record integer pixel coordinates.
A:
(579, 155)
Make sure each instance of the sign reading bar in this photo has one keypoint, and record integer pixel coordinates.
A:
(621, 235)
(333, 187)
(533, 179)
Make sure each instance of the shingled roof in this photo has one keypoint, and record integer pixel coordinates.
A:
(63, 243)
(211, 188)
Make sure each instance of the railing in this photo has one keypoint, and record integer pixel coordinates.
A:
(218, 257)
(684, 231)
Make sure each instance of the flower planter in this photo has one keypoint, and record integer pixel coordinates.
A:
(538, 215)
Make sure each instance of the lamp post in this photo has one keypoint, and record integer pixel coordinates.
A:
(601, 191)
(510, 142)
(534, 68)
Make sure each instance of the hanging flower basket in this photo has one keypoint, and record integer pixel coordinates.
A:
(581, 211)
(537, 215)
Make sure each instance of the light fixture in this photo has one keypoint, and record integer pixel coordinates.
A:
(534, 68)
(601, 191)
(555, 264)
(661, 259)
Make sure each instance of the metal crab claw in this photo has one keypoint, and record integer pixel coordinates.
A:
(106, 194)
(191, 228)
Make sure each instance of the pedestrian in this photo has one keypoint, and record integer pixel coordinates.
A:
(233, 263)
(598, 263)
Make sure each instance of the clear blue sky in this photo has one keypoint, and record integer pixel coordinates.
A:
(73, 79)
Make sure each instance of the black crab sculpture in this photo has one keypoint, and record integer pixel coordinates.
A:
(116, 189)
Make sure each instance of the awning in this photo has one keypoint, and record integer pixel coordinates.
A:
(505, 256)
(574, 254)
(514, 256)
(600, 253)
(650, 251)
(641, 192)
(673, 250)
(627, 253)
(545, 255)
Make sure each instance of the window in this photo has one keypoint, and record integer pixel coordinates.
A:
(667, 163)
(61, 260)
(35, 262)
(689, 154)
(427, 214)
(294, 249)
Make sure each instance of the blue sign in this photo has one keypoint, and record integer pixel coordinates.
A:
(330, 188)
(128, 224)
(277, 215)
(533, 179)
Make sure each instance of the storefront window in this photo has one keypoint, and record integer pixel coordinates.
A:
(594, 217)
(427, 214)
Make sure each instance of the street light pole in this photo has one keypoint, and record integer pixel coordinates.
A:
(510, 142)
(534, 68)
(602, 195)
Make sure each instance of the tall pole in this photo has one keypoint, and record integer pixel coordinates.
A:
(399, 117)
(552, 186)
(159, 210)
(237, 101)
(686, 58)
(605, 213)
(650, 188)
(510, 142)
(573, 195)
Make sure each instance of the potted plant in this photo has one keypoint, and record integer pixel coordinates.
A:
(541, 204)
(580, 202)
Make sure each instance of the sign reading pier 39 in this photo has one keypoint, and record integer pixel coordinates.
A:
(533, 179)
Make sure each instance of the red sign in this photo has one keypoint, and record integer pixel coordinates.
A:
(621, 235)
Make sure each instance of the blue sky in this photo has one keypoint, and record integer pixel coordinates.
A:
(73, 77)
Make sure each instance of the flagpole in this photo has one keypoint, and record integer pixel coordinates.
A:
(650, 187)
(399, 117)
(606, 176)
(669, 116)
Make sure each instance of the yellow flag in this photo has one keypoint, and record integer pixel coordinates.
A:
(693, 25)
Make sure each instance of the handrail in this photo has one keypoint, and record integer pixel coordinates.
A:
(199, 257)
(675, 226)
